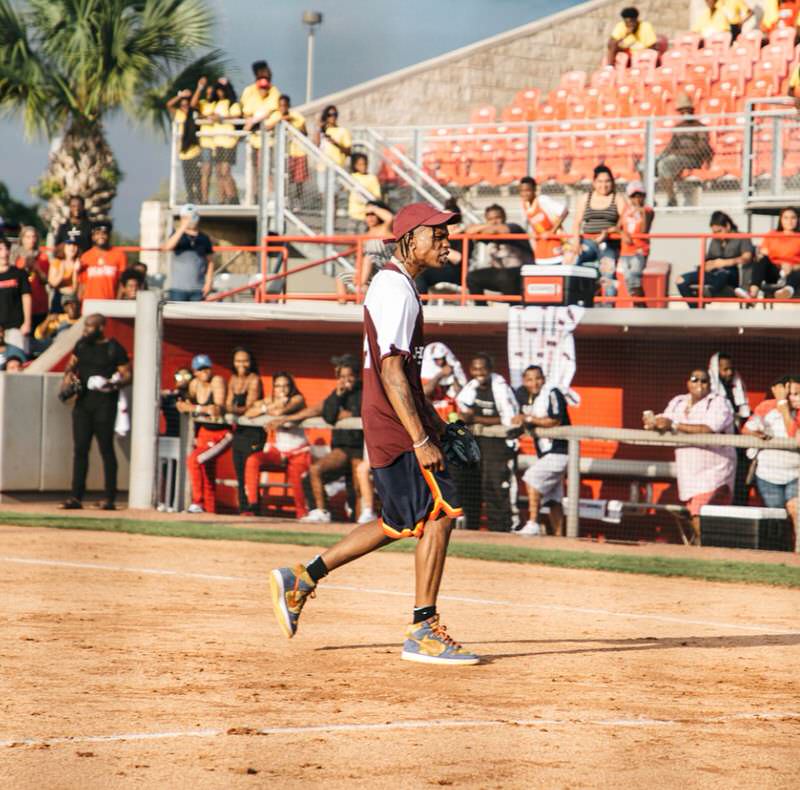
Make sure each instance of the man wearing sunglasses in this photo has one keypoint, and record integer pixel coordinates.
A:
(705, 474)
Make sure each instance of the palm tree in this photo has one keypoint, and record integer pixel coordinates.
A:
(67, 65)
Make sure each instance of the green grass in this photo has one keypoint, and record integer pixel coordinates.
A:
(710, 570)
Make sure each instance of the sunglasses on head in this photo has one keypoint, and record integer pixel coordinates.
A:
(701, 379)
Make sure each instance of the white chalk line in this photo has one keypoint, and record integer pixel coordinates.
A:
(398, 593)
(388, 726)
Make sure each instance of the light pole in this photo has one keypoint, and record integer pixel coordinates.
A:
(311, 19)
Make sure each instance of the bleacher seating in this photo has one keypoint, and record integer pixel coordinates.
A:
(718, 75)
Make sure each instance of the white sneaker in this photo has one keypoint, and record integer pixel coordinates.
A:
(531, 529)
(742, 293)
(195, 508)
(317, 516)
(787, 292)
(367, 515)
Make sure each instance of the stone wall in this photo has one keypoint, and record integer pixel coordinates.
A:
(446, 88)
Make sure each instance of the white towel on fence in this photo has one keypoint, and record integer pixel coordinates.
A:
(504, 398)
(544, 336)
(122, 423)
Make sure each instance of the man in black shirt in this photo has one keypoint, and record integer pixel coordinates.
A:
(543, 407)
(505, 257)
(78, 225)
(95, 373)
(15, 299)
(488, 400)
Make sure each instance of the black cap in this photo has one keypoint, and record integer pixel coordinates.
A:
(102, 224)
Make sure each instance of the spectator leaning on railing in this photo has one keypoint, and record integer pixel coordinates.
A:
(189, 150)
(597, 218)
(506, 257)
(705, 474)
(777, 269)
(487, 399)
(636, 219)
(722, 261)
(55, 323)
(543, 406)
(259, 101)
(545, 216)
(298, 161)
(191, 270)
(224, 109)
(630, 35)
(777, 471)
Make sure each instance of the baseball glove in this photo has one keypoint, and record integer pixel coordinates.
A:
(459, 446)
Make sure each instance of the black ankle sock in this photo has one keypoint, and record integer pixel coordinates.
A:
(316, 569)
(423, 613)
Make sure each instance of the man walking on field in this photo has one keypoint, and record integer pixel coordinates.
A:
(403, 436)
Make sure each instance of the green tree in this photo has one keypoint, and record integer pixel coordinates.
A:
(67, 65)
(16, 213)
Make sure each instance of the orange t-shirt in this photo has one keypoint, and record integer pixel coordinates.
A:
(634, 220)
(100, 272)
(543, 214)
(782, 247)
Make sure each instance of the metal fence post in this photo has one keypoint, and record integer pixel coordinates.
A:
(416, 148)
(747, 154)
(146, 384)
(573, 486)
(777, 156)
(531, 150)
(173, 168)
(650, 159)
(262, 225)
(279, 185)
(329, 213)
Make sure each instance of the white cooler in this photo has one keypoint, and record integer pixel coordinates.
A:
(558, 285)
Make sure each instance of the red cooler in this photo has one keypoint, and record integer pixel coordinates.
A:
(558, 285)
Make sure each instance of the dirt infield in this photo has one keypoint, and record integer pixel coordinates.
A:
(131, 661)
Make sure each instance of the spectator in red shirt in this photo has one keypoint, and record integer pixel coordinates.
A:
(102, 266)
(779, 263)
(36, 264)
(636, 219)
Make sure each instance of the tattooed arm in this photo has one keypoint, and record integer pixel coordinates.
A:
(400, 396)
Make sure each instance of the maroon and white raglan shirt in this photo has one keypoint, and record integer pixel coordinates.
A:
(393, 324)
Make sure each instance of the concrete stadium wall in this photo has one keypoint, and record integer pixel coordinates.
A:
(446, 88)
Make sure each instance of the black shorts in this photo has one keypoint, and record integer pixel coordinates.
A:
(411, 496)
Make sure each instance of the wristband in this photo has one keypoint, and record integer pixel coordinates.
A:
(421, 443)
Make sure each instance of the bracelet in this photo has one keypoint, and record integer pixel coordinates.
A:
(783, 402)
(421, 443)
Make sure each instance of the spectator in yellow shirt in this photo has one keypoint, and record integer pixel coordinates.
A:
(334, 141)
(203, 101)
(225, 108)
(357, 205)
(714, 18)
(298, 163)
(180, 109)
(56, 323)
(259, 101)
(738, 12)
(630, 35)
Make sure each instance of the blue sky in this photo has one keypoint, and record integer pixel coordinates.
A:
(358, 40)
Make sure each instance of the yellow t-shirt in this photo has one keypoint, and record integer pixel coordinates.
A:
(643, 38)
(227, 109)
(193, 151)
(341, 136)
(253, 103)
(298, 122)
(205, 130)
(357, 207)
(737, 10)
(707, 23)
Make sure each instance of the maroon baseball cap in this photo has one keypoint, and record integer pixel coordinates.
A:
(417, 215)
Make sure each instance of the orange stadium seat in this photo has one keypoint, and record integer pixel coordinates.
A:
(547, 113)
(728, 155)
(765, 71)
(573, 81)
(667, 78)
(528, 99)
(485, 114)
(718, 44)
(783, 37)
(777, 55)
(645, 59)
(688, 43)
(753, 40)
(604, 77)
(515, 162)
(513, 114)
(550, 160)
(710, 61)
(622, 157)
(674, 59)
(586, 158)
(742, 56)
(734, 75)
